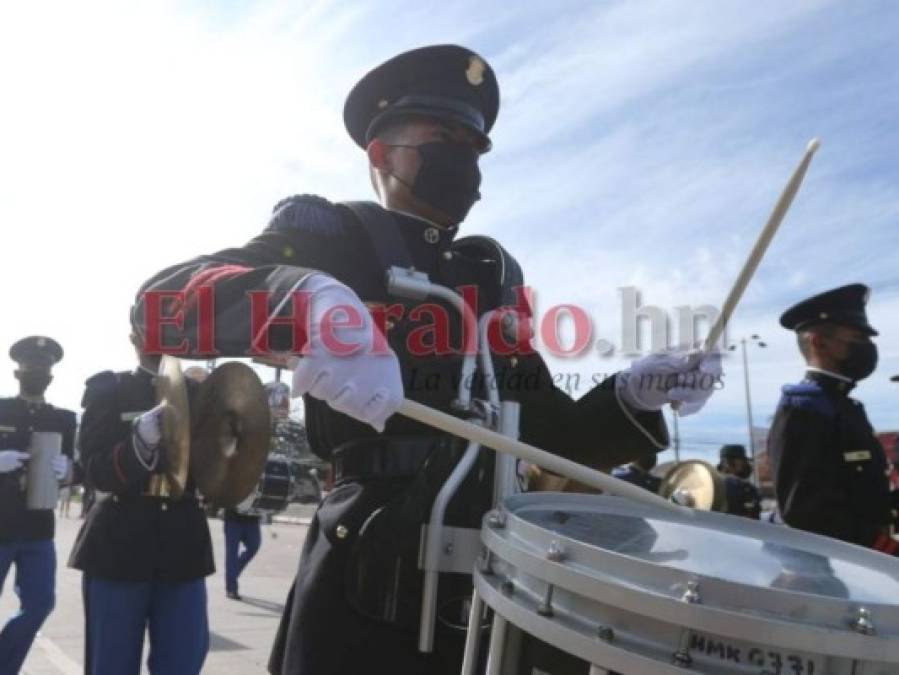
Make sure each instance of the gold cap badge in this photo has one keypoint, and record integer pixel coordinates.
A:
(475, 72)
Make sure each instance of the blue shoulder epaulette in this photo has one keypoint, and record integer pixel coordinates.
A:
(306, 213)
(806, 396)
(104, 382)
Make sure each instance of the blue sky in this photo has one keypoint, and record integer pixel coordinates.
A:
(638, 144)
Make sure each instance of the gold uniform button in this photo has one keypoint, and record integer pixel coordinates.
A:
(165, 506)
(432, 236)
(513, 362)
(341, 532)
(858, 468)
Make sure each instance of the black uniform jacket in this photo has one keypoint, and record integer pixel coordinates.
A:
(308, 234)
(18, 418)
(829, 468)
(370, 523)
(128, 536)
(743, 498)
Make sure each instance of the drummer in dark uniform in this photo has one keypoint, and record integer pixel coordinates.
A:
(423, 120)
(742, 497)
(638, 473)
(26, 535)
(145, 556)
(829, 468)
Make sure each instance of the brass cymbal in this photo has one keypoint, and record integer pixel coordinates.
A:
(171, 390)
(231, 434)
(696, 484)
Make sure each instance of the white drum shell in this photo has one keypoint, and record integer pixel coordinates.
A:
(642, 600)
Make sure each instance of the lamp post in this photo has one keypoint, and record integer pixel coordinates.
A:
(753, 339)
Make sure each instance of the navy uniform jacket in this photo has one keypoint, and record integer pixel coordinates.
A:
(829, 468)
(308, 234)
(639, 477)
(742, 497)
(128, 536)
(18, 419)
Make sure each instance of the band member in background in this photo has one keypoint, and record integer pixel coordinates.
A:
(422, 120)
(743, 498)
(638, 473)
(829, 468)
(26, 535)
(240, 529)
(144, 556)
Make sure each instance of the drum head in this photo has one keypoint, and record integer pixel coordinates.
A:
(714, 545)
(231, 434)
(696, 484)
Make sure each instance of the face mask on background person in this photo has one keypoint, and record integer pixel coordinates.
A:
(861, 360)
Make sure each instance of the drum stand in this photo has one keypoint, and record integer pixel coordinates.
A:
(456, 549)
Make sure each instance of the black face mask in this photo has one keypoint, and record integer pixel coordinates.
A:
(861, 361)
(34, 383)
(448, 178)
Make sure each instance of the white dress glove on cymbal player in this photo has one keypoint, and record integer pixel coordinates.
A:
(11, 460)
(685, 380)
(60, 465)
(146, 436)
(362, 381)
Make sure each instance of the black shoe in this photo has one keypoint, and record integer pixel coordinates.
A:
(233, 595)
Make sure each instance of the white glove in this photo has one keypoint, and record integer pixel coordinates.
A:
(685, 380)
(10, 460)
(60, 465)
(146, 436)
(365, 384)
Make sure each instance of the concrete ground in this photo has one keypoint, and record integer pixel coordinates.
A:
(241, 632)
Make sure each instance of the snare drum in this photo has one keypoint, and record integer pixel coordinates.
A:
(272, 494)
(621, 587)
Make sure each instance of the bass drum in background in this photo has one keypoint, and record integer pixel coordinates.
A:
(273, 493)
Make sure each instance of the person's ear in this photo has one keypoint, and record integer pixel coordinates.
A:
(378, 155)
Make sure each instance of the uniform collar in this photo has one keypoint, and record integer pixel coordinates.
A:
(427, 230)
(32, 401)
(829, 380)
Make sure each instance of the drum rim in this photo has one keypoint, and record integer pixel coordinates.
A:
(838, 640)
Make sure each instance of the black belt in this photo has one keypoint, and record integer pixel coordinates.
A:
(386, 456)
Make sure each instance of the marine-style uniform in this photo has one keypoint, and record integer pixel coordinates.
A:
(144, 558)
(829, 468)
(742, 497)
(355, 603)
(26, 536)
(638, 476)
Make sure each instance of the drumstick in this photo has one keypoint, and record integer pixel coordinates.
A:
(761, 245)
(529, 453)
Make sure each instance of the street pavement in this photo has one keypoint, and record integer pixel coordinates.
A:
(241, 632)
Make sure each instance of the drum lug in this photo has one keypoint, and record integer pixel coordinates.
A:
(486, 562)
(507, 587)
(546, 606)
(862, 622)
(496, 520)
(691, 595)
(555, 553)
(682, 657)
(605, 633)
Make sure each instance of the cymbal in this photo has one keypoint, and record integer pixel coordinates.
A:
(231, 434)
(696, 484)
(171, 390)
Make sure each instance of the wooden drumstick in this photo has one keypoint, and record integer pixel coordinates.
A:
(761, 245)
(529, 453)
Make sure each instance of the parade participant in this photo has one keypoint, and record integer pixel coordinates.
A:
(144, 557)
(423, 120)
(829, 468)
(743, 497)
(240, 529)
(638, 473)
(26, 535)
